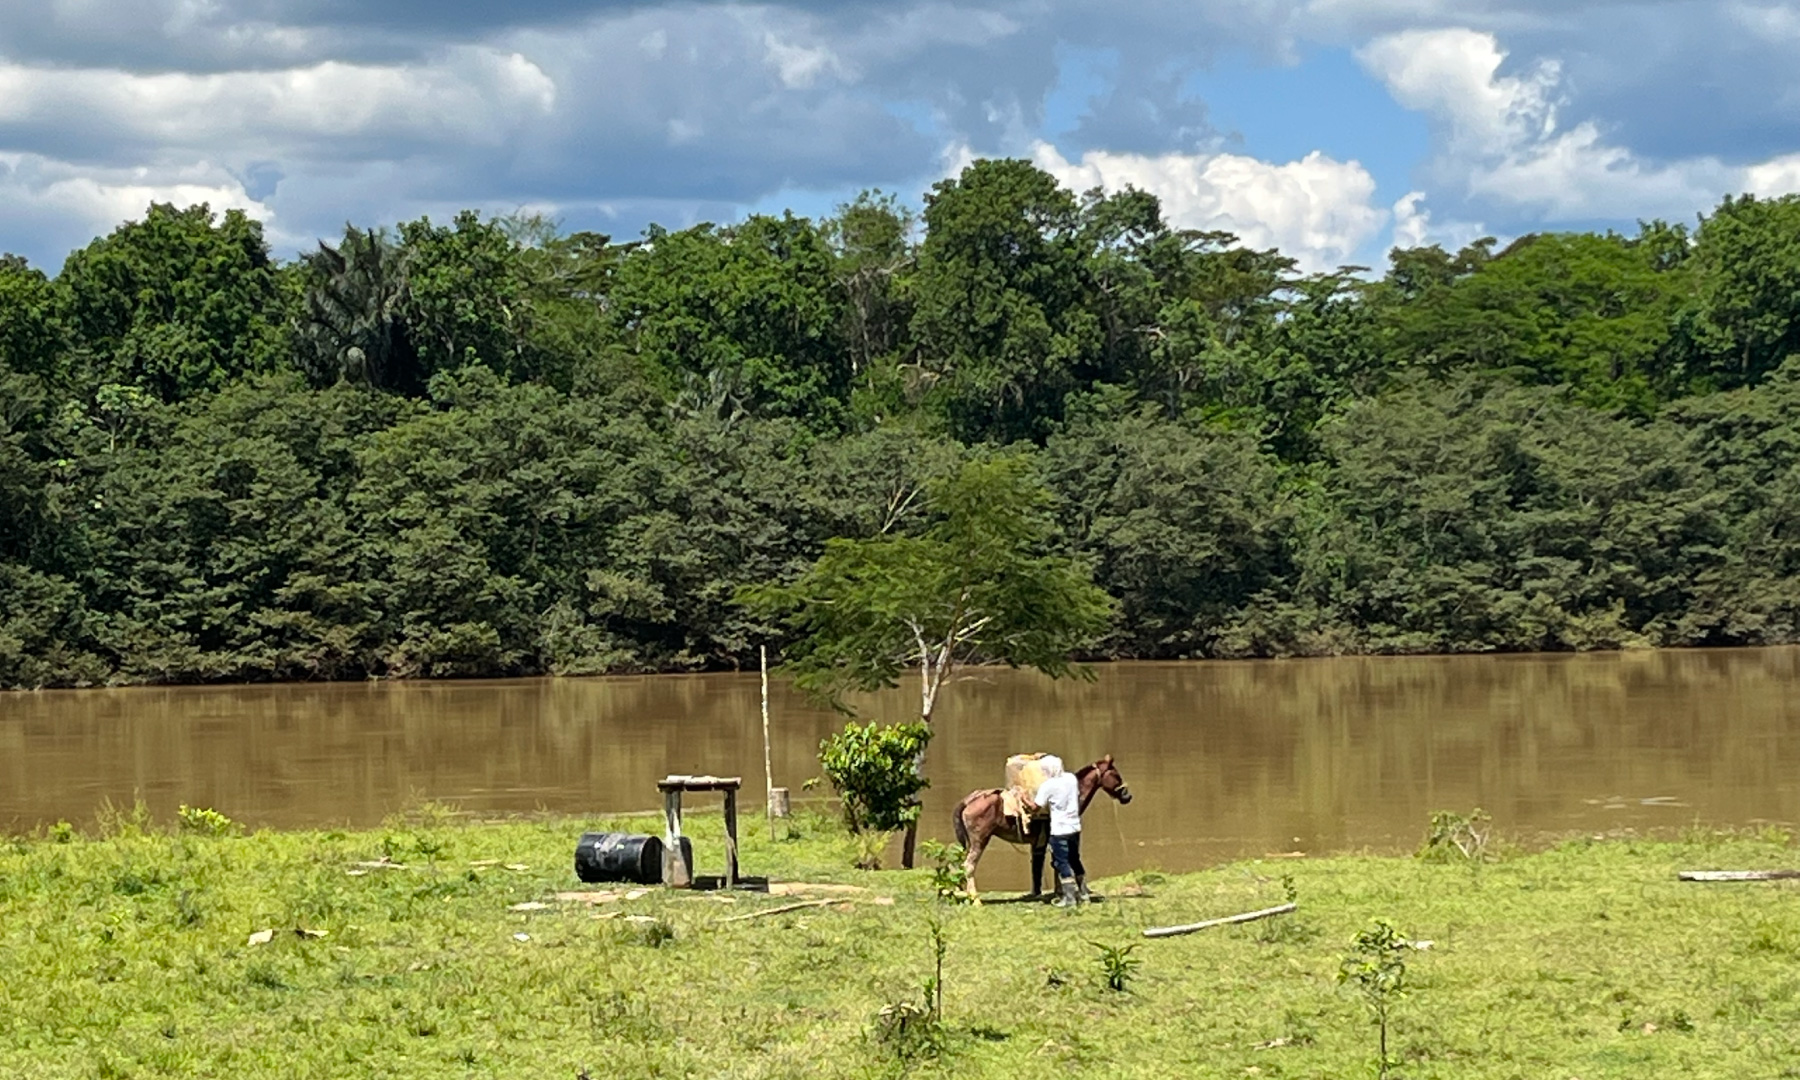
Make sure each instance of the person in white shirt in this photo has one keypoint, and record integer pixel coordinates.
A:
(1061, 795)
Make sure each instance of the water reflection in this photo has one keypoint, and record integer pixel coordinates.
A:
(1225, 758)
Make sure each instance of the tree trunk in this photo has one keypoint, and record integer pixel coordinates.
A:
(930, 677)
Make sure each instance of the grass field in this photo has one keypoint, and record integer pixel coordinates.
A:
(126, 953)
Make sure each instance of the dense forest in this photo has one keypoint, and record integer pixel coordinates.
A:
(486, 447)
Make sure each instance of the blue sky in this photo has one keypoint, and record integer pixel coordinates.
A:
(1333, 129)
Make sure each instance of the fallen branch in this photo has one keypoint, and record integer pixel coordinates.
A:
(1738, 875)
(783, 909)
(1248, 916)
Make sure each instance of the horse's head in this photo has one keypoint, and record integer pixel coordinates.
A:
(1110, 780)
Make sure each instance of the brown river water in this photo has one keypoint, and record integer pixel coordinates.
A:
(1225, 759)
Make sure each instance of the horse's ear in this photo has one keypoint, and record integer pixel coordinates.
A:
(1107, 759)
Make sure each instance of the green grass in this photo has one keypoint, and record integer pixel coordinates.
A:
(126, 955)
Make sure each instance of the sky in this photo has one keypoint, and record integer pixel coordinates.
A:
(1333, 129)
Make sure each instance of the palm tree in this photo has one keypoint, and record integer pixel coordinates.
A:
(353, 327)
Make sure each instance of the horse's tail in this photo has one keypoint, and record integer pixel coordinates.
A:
(962, 827)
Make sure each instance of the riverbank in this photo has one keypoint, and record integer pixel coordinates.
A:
(135, 954)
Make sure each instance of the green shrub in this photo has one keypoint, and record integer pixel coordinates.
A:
(205, 821)
(1453, 837)
(949, 873)
(909, 1030)
(1117, 965)
(870, 844)
(874, 768)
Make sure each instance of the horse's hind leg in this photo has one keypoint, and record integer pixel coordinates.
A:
(977, 844)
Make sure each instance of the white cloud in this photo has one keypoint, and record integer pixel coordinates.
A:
(75, 203)
(1316, 209)
(1777, 176)
(1454, 74)
(1414, 227)
(800, 65)
(1412, 223)
(1501, 138)
(470, 94)
(1577, 175)
(955, 158)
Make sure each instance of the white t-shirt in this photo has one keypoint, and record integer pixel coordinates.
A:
(1062, 795)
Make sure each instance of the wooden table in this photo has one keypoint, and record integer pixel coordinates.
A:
(676, 872)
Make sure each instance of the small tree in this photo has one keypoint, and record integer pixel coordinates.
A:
(1376, 969)
(871, 767)
(977, 585)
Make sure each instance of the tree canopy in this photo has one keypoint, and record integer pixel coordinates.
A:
(489, 447)
(978, 582)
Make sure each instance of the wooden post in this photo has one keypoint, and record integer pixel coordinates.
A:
(780, 802)
(768, 768)
(676, 872)
(731, 843)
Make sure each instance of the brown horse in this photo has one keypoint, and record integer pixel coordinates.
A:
(981, 817)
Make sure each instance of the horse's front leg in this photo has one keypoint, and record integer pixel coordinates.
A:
(1037, 864)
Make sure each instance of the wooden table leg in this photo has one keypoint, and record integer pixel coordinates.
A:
(676, 872)
(731, 840)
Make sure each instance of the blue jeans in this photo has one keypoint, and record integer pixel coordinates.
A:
(1065, 855)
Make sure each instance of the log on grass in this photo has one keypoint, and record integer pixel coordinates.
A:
(1739, 875)
(1248, 916)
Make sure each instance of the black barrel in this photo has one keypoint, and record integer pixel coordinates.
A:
(602, 856)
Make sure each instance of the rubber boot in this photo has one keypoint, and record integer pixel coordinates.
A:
(1065, 893)
(1081, 890)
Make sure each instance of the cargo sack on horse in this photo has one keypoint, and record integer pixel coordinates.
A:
(1025, 773)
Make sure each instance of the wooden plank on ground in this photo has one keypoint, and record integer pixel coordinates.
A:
(1248, 916)
(801, 888)
(1739, 875)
